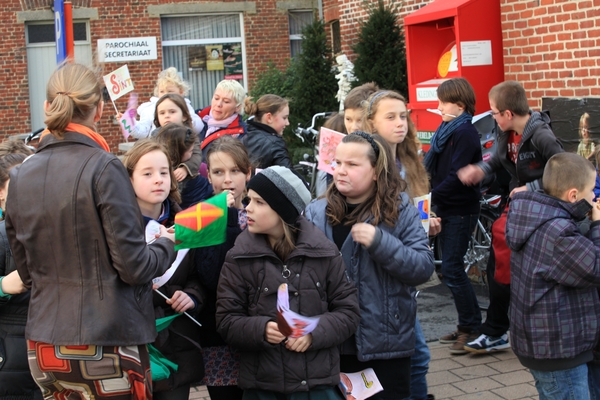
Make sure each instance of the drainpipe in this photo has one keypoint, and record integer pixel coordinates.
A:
(320, 6)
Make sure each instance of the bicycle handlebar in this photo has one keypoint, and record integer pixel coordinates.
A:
(33, 135)
(303, 133)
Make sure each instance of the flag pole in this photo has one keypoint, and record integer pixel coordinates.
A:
(185, 312)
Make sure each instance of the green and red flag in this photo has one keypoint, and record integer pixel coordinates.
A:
(203, 224)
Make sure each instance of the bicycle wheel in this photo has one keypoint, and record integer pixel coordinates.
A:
(477, 256)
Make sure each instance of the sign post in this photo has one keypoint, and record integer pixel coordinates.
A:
(70, 40)
(59, 31)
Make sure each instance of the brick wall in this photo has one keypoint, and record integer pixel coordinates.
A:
(551, 46)
(14, 102)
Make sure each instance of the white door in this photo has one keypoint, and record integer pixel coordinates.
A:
(41, 62)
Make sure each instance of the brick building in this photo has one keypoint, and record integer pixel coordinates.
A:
(264, 30)
(551, 46)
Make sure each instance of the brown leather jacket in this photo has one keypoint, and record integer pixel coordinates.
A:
(318, 286)
(77, 236)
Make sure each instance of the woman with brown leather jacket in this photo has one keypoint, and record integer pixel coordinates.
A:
(77, 236)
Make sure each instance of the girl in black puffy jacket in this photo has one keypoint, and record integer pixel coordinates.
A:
(264, 140)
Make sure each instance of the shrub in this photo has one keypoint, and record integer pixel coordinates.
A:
(308, 83)
(381, 55)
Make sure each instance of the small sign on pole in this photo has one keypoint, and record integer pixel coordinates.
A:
(118, 83)
(59, 31)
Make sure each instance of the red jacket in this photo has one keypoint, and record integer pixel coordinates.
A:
(237, 127)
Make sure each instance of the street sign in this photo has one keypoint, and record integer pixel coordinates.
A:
(59, 31)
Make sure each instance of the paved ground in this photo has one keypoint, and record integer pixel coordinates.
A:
(469, 377)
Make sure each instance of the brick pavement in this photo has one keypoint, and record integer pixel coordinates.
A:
(497, 376)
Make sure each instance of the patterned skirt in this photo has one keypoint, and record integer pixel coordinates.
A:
(91, 372)
(221, 366)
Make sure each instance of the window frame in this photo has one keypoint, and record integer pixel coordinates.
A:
(196, 42)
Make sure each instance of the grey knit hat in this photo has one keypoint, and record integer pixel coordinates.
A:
(283, 190)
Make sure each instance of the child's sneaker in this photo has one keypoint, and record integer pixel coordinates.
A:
(486, 344)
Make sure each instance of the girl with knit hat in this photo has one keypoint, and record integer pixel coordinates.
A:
(380, 236)
(281, 247)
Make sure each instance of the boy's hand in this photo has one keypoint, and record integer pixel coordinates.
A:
(435, 226)
(180, 173)
(517, 190)
(470, 175)
(596, 211)
(180, 301)
(300, 344)
(272, 333)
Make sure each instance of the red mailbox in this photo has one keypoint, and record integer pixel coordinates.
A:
(446, 39)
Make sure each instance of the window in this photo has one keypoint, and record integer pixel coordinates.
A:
(297, 21)
(205, 49)
(41, 61)
(45, 33)
(336, 39)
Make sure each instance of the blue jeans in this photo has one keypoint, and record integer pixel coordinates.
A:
(594, 380)
(455, 236)
(419, 365)
(566, 384)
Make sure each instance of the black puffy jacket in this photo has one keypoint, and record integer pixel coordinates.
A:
(16, 382)
(265, 147)
(318, 286)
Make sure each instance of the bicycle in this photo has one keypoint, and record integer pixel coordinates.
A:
(308, 167)
(480, 243)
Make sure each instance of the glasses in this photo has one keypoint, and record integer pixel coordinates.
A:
(496, 113)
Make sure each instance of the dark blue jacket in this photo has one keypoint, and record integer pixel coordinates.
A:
(448, 194)
(385, 274)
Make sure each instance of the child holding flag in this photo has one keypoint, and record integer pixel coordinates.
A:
(151, 175)
(281, 247)
(229, 168)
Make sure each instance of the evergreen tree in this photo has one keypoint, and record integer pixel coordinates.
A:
(308, 83)
(314, 84)
(381, 55)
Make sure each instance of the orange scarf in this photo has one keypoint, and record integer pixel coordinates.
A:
(85, 131)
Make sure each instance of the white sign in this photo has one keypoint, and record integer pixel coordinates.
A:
(118, 82)
(476, 53)
(129, 49)
(427, 94)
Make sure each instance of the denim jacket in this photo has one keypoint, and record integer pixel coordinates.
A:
(385, 274)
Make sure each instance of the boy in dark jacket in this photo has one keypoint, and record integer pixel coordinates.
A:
(525, 143)
(555, 309)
